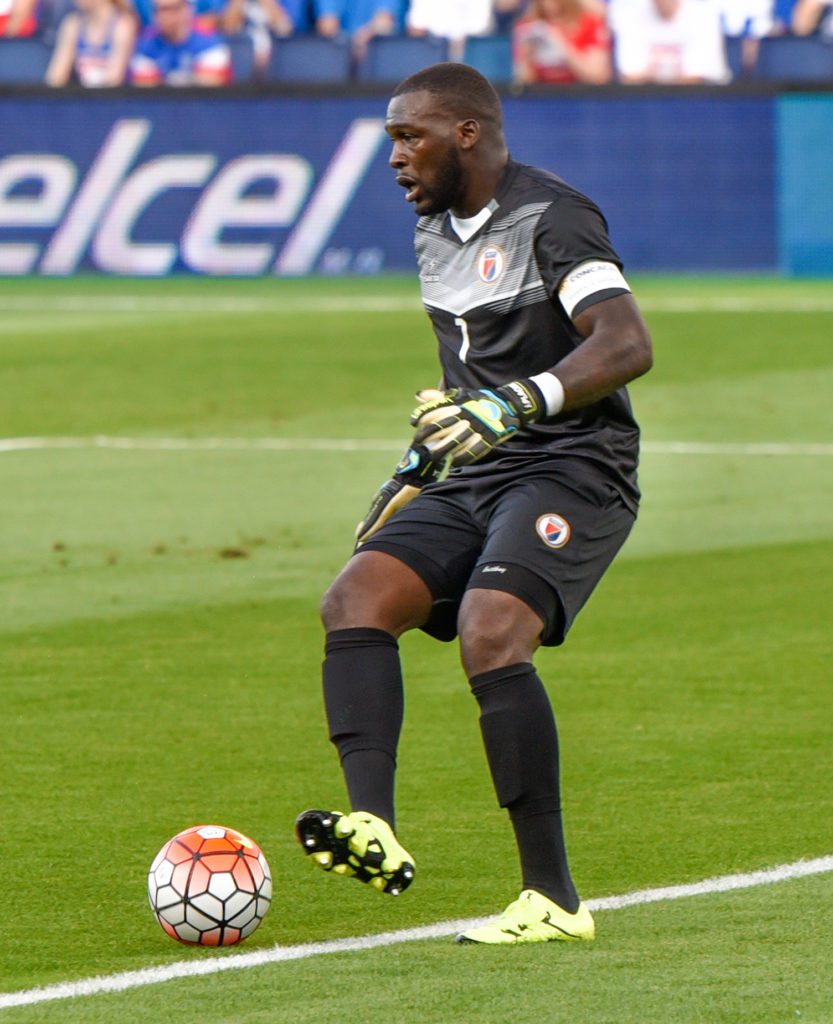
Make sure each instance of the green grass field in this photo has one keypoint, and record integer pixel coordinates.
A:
(160, 653)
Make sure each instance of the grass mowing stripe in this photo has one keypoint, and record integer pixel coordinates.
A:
(232, 305)
(236, 306)
(333, 444)
(179, 444)
(191, 969)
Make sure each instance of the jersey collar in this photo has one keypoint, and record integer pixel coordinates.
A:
(463, 229)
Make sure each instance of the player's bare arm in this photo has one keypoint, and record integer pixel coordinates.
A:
(464, 425)
(616, 350)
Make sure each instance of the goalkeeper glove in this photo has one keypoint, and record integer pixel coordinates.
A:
(464, 424)
(415, 469)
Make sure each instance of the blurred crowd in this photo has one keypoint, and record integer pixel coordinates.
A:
(186, 42)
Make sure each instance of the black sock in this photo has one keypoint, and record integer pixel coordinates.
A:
(364, 703)
(521, 742)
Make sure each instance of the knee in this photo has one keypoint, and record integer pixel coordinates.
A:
(485, 645)
(375, 591)
(347, 602)
(334, 603)
(496, 630)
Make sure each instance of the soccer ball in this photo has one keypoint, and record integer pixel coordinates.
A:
(209, 886)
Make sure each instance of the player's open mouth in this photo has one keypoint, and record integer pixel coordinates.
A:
(408, 183)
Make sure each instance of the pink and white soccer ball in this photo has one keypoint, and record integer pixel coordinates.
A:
(209, 886)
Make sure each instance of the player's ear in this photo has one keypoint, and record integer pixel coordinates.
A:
(468, 132)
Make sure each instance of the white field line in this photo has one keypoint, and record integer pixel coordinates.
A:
(284, 954)
(737, 304)
(332, 444)
(240, 305)
(737, 448)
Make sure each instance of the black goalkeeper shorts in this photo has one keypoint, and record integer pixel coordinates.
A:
(545, 533)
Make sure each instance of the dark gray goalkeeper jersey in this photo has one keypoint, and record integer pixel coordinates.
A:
(495, 308)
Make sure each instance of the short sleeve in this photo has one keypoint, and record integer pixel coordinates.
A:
(572, 232)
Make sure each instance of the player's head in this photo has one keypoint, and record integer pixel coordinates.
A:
(457, 89)
(446, 126)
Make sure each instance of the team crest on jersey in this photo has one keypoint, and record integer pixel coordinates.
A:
(553, 530)
(490, 264)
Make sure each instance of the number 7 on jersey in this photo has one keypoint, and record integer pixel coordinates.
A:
(464, 330)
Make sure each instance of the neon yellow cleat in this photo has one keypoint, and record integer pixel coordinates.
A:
(533, 918)
(357, 845)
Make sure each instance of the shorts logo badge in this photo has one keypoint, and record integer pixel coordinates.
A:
(490, 264)
(553, 530)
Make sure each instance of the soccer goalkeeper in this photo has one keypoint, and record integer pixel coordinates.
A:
(538, 335)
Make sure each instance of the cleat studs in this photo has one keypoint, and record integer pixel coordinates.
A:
(354, 846)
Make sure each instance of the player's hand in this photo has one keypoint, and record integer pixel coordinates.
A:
(464, 424)
(415, 469)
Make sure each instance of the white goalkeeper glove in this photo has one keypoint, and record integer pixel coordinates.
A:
(464, 424)
(415, 469)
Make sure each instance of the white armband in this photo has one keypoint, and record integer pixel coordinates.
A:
(587, 279)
